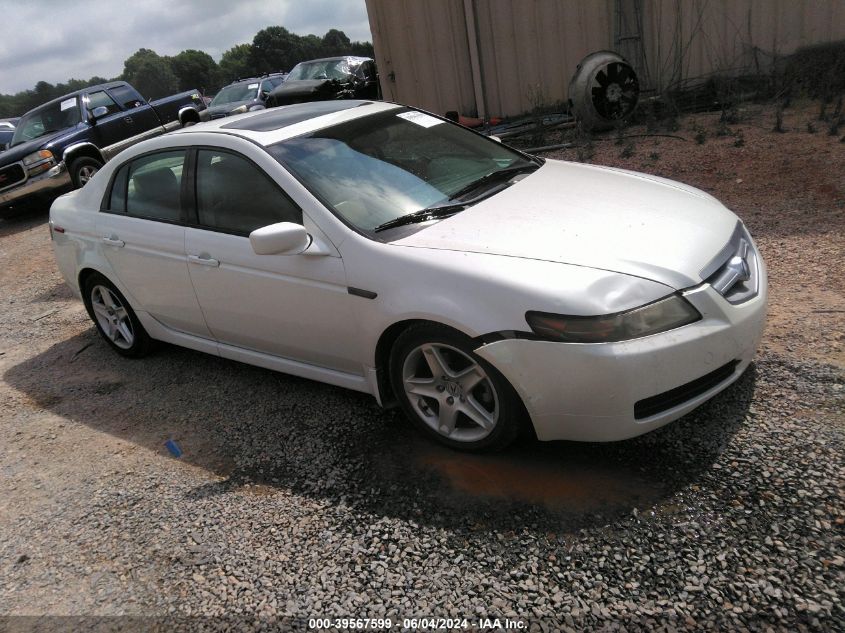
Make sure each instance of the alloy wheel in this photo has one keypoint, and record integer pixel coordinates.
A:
(112, 317)
(450, 392)
(85, 174)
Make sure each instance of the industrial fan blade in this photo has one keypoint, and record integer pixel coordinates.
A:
(601, 78)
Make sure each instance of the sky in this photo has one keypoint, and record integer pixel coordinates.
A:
(56, 40)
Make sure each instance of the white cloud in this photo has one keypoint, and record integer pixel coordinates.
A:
(55, 40)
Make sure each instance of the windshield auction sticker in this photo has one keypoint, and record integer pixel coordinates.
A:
(420, 118)
(67, 104)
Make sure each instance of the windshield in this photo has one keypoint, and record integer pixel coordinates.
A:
(332, 69)
(377, 168)
(52, 117)
(235, 93)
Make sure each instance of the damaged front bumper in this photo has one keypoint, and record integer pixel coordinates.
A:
(599, 392)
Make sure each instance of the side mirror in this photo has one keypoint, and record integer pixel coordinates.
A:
(282, 238)
(98, 113)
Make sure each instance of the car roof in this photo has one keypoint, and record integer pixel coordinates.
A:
(76, 93)
(338, 58)
(272, 125)
(261, 78)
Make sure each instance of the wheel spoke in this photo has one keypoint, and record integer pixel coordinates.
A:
(100, 309)
(101, 292)
(113, 303)
(120, 313)
(111, 331)
(421, 387)
(436, 363)
(470, 377)
(478, 414)
(123, 328)
(448, 418)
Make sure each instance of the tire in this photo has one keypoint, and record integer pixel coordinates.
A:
(83, 169)
(114, 318)
(451, 394)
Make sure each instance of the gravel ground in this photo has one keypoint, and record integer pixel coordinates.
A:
(295, 499)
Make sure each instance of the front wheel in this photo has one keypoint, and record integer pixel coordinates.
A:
(83, 169)
(114, 318)
(450, 393)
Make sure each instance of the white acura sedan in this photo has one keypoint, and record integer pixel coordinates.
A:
(379, 248)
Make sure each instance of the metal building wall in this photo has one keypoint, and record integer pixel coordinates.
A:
(687, 40)
(422, 53)
(500, 57)
(529, 49)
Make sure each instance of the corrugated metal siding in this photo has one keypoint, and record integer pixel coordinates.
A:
(422, 53)
(686, 40)
(529, 49)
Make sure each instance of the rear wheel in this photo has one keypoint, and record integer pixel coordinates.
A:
(114, 318)
(83, 169)
(450, 393)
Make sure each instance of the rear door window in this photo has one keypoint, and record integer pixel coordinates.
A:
(126, 96)
(235, 196)
(153, 187)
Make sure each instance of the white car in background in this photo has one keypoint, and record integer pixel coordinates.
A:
(380, 248)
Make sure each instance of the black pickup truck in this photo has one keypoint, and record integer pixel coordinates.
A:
(63, 143)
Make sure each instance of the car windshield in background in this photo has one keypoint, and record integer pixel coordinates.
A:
(331, 69)
(52, 117)
(378, 168)
(238, 92)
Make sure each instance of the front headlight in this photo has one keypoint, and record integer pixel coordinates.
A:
(238, 110)
(37, 157)
(38, 162)
(664, 314)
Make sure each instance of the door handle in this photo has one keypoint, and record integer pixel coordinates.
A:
(128, 119)
(203, 260)
(112, 240)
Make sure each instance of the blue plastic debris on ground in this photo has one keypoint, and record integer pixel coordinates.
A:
(173, 447)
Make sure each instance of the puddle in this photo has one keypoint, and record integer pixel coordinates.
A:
(555, 477)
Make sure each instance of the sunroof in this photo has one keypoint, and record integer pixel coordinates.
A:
(283, 116)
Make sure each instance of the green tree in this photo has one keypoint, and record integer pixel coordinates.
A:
(362, 49)
(150, 73)
(235, 62)
(335, 43)
(195, 69)
(273, 48)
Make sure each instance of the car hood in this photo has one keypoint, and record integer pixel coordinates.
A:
(16, 153)
(599, 217)
(225, 108)
(291, 88)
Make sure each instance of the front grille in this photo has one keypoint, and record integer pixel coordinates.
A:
(11, 175)
(677, 396)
